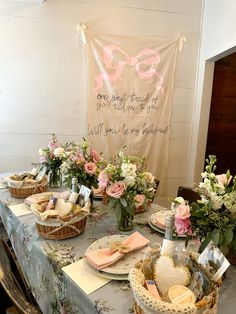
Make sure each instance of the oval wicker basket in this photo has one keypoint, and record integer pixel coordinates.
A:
(70, 229)
(27, 190)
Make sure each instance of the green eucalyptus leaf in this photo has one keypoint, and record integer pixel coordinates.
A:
(228, 237)
(215, 236)
(123, 202)
(221, 238)
(224, 249)
(204, 244)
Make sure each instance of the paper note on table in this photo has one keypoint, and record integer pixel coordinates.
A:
(20, 209)
(84, 277)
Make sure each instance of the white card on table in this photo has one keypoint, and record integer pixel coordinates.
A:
(82, 275)
(20, 209)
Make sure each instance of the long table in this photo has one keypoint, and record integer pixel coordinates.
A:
(42, 260)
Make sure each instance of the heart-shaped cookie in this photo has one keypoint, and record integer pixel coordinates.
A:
(167, 274)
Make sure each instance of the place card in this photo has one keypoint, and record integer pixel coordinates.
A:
(20, 209)
(82, 275)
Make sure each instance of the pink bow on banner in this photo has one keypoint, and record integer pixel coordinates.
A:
(152, 58)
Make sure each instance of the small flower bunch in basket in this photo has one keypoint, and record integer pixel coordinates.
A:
(213, 217)
(83, 162)
(128, 187)
(51, 157)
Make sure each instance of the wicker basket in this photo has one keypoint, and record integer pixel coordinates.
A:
(27, 190)
(143, 299)
(62, 228)
(66, 230)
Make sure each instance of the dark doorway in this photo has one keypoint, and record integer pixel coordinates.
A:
(221, 140)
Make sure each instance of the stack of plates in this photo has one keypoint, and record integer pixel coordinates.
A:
(157, 221)
(120, 269)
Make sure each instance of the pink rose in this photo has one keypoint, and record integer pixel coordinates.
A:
(183, 226)
(116, 189)
(139, 200)
(221, 178)
(182, 211)
(182, 219)
(95, 155)
(103, 180)
(90, 167)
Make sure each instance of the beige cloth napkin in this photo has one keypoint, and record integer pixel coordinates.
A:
(105, 257)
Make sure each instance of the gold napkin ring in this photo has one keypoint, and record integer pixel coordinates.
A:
(119, 246)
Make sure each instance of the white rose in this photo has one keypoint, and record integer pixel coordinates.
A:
(59, 152)
(149, 177)
(180, 200)
(42, 152)
(129, 181)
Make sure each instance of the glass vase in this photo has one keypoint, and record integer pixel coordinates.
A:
(55, 178)
(125, 216)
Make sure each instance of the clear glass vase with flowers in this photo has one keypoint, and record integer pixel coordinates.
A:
(213, 217)
(127, 185)
(83, 162)
(52, 157)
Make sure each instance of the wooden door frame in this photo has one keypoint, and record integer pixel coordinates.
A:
(200, 117)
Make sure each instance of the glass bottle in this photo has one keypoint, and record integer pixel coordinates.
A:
(74, 185)
(168, 245)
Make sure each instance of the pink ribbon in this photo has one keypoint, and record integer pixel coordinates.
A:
(148, 57)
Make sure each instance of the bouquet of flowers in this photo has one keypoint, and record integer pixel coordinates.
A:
(83, 162)
(127, 186)
(214, 216)
(52, 157)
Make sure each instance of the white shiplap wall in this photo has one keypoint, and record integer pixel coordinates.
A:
(218, 40)
(43, 76)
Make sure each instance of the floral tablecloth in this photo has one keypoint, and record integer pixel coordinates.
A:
(41, 261)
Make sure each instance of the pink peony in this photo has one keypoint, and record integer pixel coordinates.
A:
(95, 155)
(103, 180)
(90, 167)
(221, 178)
(139, 200)
(182, 219)
(116, 189)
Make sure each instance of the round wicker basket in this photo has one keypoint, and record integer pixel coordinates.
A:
(144, 302)
(27, 190)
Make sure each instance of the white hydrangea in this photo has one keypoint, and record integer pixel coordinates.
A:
(203, 175)
(217, 201)
(129, 181)
(128, 170)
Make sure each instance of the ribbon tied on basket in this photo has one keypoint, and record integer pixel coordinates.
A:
(104, 257)
(144, 62)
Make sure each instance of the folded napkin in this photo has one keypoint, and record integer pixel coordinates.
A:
(107, 256)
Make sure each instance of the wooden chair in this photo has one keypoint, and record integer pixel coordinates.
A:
(188, 194)
(12, 287)
(155, 186)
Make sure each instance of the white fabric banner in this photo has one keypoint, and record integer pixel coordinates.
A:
(131, 82)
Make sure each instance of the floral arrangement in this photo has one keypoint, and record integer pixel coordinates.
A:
(83, 162)
(52, 157)
(213, 217)
(127, 184)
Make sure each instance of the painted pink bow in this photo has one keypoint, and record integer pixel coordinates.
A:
(148, 57)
